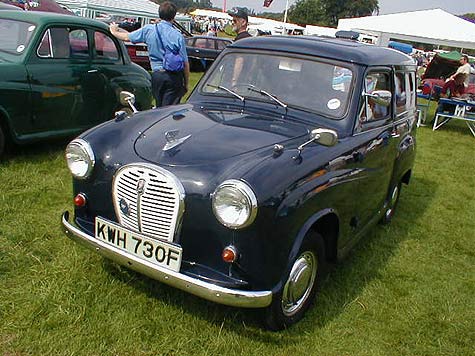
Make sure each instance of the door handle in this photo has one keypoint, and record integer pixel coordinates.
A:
(92, 71)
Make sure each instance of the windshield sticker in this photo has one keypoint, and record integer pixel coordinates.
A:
(20, 48)
(31, 28)
(333, 104)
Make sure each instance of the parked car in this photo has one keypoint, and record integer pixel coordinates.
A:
(203, 50)
(287, 151)
(60, 75)
(442, 66)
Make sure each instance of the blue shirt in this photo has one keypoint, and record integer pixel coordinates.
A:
(171, 38)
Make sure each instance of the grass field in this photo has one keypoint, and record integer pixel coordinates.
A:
(406, 289)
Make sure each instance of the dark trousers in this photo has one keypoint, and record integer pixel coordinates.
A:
(167, 87)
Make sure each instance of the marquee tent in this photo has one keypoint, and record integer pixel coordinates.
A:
(255, 23)
(145, 9)
(427, 26)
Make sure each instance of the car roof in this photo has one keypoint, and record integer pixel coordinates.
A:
(211, 38)
(40, 18)
(339, 49)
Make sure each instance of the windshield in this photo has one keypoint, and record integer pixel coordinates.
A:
(15, 36)
(295, 82)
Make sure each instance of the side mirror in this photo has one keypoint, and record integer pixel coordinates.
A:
(127, 99)
(380, 97)
(324, 137)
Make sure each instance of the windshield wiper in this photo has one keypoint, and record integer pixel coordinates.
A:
(263, 92)
(226, 90)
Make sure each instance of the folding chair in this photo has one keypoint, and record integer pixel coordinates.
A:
(423, 108)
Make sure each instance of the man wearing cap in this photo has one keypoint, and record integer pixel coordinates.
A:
(240, 21)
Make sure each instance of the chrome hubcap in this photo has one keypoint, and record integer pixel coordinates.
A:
(299, 284)
(392, 202)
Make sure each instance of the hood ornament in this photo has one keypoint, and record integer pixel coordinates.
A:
(172, 140)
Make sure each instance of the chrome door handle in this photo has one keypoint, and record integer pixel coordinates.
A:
(92, 71)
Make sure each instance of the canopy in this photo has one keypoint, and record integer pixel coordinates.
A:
(428, 26)
(90, 8)
(257, 23)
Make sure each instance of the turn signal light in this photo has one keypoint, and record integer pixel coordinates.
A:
(80, 200)
(229, 254)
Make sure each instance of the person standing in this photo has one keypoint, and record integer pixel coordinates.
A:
(167, 87)
(240, 21)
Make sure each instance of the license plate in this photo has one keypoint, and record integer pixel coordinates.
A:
(145, 248)
(141, 53)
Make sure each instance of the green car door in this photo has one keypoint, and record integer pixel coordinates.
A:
(64, 86)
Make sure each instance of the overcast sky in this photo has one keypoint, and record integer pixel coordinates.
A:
(456, 7)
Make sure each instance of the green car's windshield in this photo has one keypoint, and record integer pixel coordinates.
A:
(312, 85)
(15, 36)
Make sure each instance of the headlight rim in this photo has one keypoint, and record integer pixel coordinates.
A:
(87, 149)
(248, 193)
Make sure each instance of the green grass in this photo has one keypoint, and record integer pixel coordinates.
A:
(406, 289)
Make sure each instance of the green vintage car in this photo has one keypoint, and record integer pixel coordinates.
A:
(60, 75)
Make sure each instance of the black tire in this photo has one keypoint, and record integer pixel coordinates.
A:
(2, 142)
(393, 200)
(297, 293)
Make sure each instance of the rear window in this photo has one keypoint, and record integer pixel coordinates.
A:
(15, 36)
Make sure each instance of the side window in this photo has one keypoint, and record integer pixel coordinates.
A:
(371, 109)
(105, 47)
(79, 43)
(400, 92)
(63, 43)
(221, 45)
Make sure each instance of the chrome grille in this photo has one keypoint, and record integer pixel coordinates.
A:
(148, 199)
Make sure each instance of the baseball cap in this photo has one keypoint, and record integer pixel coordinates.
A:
(238, 12)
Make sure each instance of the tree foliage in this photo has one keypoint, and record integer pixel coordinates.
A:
(328, 12)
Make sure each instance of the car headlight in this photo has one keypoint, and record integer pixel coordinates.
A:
(234, 204)
(80, 158)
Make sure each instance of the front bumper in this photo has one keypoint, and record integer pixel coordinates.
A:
(205, 290)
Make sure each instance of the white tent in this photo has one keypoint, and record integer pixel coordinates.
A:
(146, 9)
(319, 31)
(427, 26)
(255, 23)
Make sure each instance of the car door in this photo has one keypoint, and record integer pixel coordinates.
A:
(57, 70)
(405, 121)
(106, 78)
(375, 151)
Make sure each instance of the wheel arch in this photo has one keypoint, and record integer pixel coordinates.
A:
(5, 124)
(327, 224)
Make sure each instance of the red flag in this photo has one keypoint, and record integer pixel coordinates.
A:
(267, 3)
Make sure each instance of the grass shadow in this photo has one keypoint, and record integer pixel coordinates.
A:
(344, 284)
(35, 152)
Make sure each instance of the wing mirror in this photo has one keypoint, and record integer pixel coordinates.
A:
(324, 137)
(380, 97)
(128, 99)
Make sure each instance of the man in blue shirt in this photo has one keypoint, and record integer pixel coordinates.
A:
(168, 87)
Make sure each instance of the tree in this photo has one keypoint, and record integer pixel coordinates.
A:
(328, 12)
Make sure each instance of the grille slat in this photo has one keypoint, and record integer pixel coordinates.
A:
(151, 198)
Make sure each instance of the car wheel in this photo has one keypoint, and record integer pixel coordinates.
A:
(297, 293)
(393, 200)
(2, 141)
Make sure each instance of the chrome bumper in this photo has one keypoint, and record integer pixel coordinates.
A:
(209, 291)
